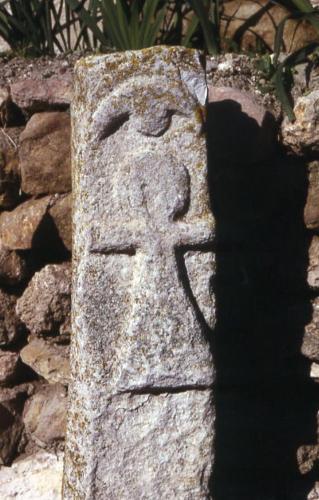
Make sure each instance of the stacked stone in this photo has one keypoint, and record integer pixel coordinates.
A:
(301, 137)
(265, 182)
(35, 248)
(35, 271)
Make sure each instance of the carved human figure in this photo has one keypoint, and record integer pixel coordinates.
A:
(141, 418)
(154, 194)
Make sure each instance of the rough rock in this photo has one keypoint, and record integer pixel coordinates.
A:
(258, 126)
(310, 345)
(13, 267)
(50, 361)
(10, 114)
(141, 414)
(311, 210)
(10, 325)
(9, 179)
(4, 96)
(45, 306)
(302, 135)
(37, 477)
(34, 95)
(19, 227)
(8, 366)
(4, 104)
(44, 415)
(9, 139)
(10, 435)
(61, 213)
(135, 428)
(313, 267)
(11, 425)
(264, 21)
(307, 456)
(44, 154)
(314, 370)
(314, 494)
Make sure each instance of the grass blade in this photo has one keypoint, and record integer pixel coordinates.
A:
(88, 20)
(209, 32)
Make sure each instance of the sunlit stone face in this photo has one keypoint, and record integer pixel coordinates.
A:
(141, 412)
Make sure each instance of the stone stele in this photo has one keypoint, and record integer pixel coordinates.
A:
(141, 418)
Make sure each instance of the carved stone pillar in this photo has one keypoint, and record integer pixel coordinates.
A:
(141, 419)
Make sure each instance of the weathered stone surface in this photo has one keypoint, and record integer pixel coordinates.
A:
(37, 477)
(10, 436)
(314, 370)
(9, 179)
(11, 425)
(49, 360)
(13, 267)
(4, 96)
(307, 457)
(310, 345)
(10, 114)
(314, 494)
(258, 126)
(45, 154)
(302, 135)
(45, 306)
(35, 95)
(311, 210)
(313, 267)
(9, 140)
(141, 417)
(61, 213)
(18, 227)
(4, 104)
(138, 428)
(8, 366)
(44, 415)
(10, 325)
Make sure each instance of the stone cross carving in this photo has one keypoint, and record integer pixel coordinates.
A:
(157, 190)
(141, 413)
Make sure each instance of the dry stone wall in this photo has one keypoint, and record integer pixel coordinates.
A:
(266, 205)
(35, 280)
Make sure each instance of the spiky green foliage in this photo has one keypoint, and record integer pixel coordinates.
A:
(302, 10)
(123, 25)
(35, 26)
(207, 13)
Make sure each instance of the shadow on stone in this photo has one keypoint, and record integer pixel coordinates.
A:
(266, 402)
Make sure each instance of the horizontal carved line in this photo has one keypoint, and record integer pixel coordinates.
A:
(167, 390)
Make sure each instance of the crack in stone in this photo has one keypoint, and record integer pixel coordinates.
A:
(167, 390)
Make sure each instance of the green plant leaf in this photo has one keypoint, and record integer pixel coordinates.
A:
(152, 33)
(209, 30)
(148, 26)
(298, 57)
(111, 24)
(186, 40)
(88, 20)
(123, 22)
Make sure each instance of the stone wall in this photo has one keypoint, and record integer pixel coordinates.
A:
(264, 192)
(264, 178)
(35, 273)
